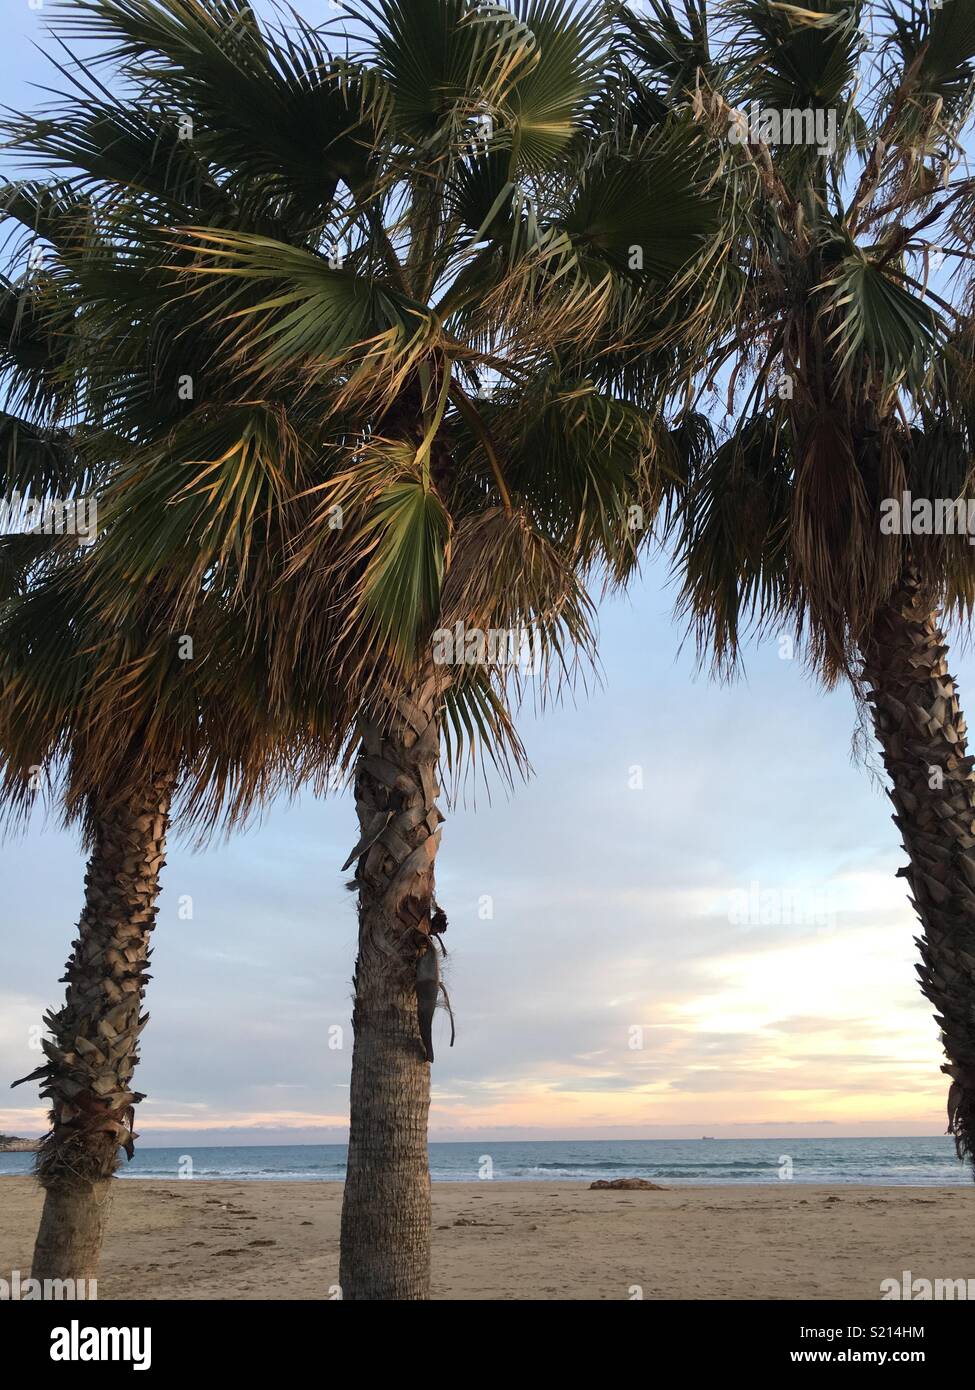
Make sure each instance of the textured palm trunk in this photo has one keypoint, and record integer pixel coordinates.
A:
(385, 1248)
(922, 733)
(94, 1051)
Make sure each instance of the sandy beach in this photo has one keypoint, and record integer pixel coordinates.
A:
(495, 1240)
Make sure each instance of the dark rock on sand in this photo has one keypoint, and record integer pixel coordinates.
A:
(627, 1185)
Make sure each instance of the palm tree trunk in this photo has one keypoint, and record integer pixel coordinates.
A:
(88, 1077)
(922, 733)
(385, 1247)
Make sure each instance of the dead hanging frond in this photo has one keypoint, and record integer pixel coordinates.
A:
(544, 300)
(730, 523)
(479, 734)
(205, 505)
(511, 587)
(712, 110)
(839, 569)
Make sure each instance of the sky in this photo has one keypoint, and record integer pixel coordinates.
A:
(688, 922)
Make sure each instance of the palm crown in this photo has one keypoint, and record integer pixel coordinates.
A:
(411, 297)
(827, 321)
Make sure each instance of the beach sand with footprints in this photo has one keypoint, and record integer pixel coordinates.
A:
(506, 1240)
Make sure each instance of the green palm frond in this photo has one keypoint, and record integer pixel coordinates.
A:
(38, 461)
(317, 316)
(673, 48)
(205, 500)
(444, 62)
(481, 194)
(546, 102)
(111, 142)
(405, 541)
(879, 325)
(605, 462)
(50, 212)
(271, 121)
(644, 211)
(789, 56)
(21, 556)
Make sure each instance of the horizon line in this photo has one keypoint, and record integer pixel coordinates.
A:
(689, 1139)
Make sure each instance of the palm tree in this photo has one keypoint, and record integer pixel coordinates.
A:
(110, 724)
(125, 742)
(846, 350)
(443, 296)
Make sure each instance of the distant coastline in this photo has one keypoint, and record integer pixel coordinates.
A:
(10, 1144)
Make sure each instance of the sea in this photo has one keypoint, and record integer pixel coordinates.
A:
(881, 1162)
